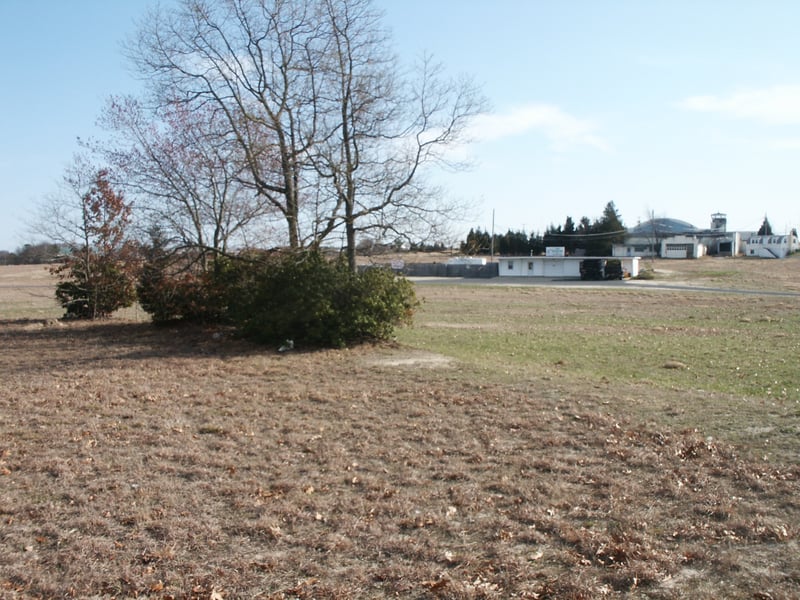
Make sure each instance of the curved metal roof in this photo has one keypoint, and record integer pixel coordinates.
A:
(662, 227)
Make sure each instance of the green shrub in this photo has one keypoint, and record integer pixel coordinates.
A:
(316, 302)
(97, 292)
(378, 302)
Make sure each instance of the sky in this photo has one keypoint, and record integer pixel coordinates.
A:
(673, 109)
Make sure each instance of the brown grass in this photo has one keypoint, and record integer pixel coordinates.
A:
(138, 462)
(28, 292)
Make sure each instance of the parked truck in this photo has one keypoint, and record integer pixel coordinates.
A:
(598, 269)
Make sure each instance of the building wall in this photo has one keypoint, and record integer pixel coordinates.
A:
(635, 246)
(539, 266)
(682, 246)
(547, 266)
(729, 244)
(769, 246)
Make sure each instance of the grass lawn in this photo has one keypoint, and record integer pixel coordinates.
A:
(516, 442)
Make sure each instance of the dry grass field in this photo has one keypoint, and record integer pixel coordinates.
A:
(517, 442)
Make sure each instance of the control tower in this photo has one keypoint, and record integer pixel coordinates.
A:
(719, 222)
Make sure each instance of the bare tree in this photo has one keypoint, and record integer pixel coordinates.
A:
(384, 130)
(251, 64)
(62, 217)
(327, 130)
(186, 176)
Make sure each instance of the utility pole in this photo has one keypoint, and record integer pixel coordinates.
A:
(491, 243)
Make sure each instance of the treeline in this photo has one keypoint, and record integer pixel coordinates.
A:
(511, 243)
(368, 246)
(31, 254)
(587, 237)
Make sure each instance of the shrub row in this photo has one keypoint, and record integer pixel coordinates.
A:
(299, 296)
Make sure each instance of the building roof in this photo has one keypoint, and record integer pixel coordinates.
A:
(662, 227)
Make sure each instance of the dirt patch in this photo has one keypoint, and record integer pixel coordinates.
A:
(410, 358)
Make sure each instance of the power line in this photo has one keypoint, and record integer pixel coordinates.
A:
(584, 235)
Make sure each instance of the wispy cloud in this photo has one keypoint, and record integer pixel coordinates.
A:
(562, 129)
(777, 105)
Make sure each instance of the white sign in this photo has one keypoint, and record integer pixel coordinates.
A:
(554, 251)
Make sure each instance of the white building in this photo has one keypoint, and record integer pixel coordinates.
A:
(682, 246)
(770, 246)
(556, 266)
(646, 239)
(672, 238)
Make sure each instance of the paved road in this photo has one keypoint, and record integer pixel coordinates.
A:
(567, 283)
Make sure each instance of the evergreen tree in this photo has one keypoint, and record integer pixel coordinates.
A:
(569, 240)
(605, 232)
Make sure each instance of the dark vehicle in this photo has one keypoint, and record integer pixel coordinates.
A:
(592, 268)
(613, 269)
(598, 269)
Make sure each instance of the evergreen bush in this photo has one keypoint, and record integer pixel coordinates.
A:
(315, 302)
(94, 293)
